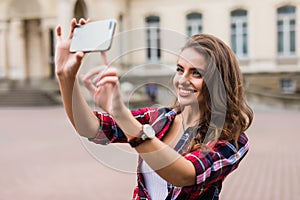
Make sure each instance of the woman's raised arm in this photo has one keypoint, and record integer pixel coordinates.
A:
(67, 65)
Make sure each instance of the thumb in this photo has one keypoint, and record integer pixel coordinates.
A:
(76, 60)
(79, 55)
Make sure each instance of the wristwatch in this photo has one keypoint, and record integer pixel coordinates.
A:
(146, 133)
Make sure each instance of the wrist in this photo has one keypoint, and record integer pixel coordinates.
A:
(121, 112)
(127, 122)
(65, 76)
(146, 133)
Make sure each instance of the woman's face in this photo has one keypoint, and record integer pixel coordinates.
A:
(188, 79)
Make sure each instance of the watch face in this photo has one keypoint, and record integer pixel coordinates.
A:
(148, 131)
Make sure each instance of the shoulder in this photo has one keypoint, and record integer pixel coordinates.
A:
(229, 148)
(223, 152)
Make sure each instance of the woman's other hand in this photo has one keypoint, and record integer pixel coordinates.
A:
(103, 84)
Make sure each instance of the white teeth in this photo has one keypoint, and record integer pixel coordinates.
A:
(186, 91)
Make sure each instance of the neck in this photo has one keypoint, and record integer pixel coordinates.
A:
(190, 116)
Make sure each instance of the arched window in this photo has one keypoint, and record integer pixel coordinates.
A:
(80, 10)
(286, 31)
(153, 38)
(239, 33)
(193, 24)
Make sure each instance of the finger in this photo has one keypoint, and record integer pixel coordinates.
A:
(79, 56)
(82, 21)
(73, 25)
(93, 72)
(108, 80)
(104, 58)
(106, 72)
(76, 60)
(88, 84)
(58, 31)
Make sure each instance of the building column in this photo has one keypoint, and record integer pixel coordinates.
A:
(4, 62)
(15, 48)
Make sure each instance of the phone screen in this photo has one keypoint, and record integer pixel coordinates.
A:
(93, 36)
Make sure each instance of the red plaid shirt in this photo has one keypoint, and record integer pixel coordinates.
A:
(211, 167)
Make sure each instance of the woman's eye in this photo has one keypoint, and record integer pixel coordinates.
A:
(197, 74)
(178, 69)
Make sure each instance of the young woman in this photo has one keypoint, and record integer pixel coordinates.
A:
(185, 150)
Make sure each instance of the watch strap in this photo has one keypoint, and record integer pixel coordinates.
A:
(134, 142)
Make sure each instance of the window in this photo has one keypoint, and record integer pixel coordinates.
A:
(153, 39)
(194, 24)
(80, 10)
(51, 52)
(288, 86)
(286, 31)
(239, 33)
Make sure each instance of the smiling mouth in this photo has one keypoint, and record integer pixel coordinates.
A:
(187, 91)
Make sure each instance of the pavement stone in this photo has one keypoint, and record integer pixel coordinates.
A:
(41, 157)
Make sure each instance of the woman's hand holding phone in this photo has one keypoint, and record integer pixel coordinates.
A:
(66, 63)
(102, 83)
(85, 36)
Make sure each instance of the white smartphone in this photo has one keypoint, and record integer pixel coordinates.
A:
(94, 36)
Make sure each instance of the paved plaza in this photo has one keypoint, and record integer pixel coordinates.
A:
(42, 158)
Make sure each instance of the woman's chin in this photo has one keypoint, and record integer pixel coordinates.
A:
(187, 101)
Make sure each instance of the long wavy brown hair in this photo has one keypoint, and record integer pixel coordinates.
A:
(225, 114)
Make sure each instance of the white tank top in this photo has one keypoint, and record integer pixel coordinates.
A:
(156, 186)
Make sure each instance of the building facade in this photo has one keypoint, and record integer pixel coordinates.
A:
(265, 36)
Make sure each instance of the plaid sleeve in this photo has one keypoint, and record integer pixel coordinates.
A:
(217, 164)
(109, 131)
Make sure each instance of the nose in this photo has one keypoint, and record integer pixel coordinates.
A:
(184, 79)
